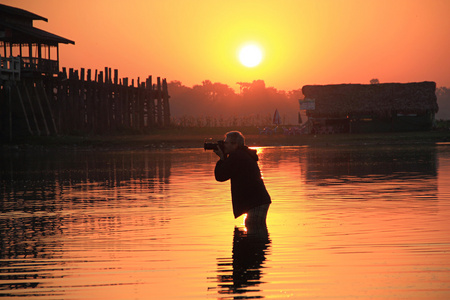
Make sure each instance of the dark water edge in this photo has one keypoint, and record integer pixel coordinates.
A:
(193, 138)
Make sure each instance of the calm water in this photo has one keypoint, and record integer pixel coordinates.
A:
(360, 222)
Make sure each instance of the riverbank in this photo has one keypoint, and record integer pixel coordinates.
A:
(194, 137)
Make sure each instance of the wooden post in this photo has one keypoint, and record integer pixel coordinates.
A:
(49, 108)
(24, 110)
(30, 52)
(126, 104)
(166, 104)
(117, 106)
(75, 87)
(106, 75)
(108, 99)
(100, 115)
(39, 45)
(93, 103)
(159, 115)
(86, 96)
(71, 113)
(38, 100)
(8, 88)
(66, 117)
(119, 103)
(83, 99)
(141, 94)
(138, 108)
(59, 84)
(133, 101)
(150, 103)
(27, 95)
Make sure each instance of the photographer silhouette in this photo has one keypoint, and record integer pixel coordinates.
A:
(248, 193)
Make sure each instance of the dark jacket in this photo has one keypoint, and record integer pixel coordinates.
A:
(247, 186)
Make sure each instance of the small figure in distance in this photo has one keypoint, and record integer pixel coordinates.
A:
(248, 193)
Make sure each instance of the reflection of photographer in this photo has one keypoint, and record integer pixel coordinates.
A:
(242, 273)
(248, 192)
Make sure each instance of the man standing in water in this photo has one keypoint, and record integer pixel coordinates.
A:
(248, 192)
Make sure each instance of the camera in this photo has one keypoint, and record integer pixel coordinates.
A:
(210, 145)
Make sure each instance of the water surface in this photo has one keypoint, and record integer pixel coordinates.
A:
(360, 222)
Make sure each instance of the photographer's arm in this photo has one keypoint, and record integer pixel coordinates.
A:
(224, 169)
(219, 153)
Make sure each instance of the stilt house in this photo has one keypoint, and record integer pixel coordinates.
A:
(24, 49)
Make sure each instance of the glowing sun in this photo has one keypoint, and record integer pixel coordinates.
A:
(250, 56)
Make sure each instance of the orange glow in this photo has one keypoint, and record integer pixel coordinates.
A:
(243, 221)
(259, 150)
(304, 42)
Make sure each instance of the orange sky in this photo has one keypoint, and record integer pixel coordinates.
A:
(304, 42)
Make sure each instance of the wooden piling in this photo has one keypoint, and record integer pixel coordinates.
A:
(19, 94)
(165, 103)
(30, 104)
(159, 105)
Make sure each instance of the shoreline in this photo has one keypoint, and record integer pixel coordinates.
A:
(193, 138)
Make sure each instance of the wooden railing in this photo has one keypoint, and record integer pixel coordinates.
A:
(39, 65)
(10, 68)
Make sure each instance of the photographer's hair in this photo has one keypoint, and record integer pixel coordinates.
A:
(236, 137)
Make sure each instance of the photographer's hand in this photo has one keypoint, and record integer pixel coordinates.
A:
(219, 153)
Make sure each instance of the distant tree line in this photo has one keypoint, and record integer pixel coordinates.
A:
(216, 104)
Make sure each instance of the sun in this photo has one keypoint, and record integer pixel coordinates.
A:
(250, 56)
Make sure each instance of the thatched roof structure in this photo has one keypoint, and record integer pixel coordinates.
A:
(342, 100)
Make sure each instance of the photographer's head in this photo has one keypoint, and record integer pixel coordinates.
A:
(233, 140)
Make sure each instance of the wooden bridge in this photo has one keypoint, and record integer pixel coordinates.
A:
(76, 103)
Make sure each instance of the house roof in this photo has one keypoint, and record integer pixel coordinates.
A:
(26, 34)
(14, 11)
(17, 27)
(380, 99)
